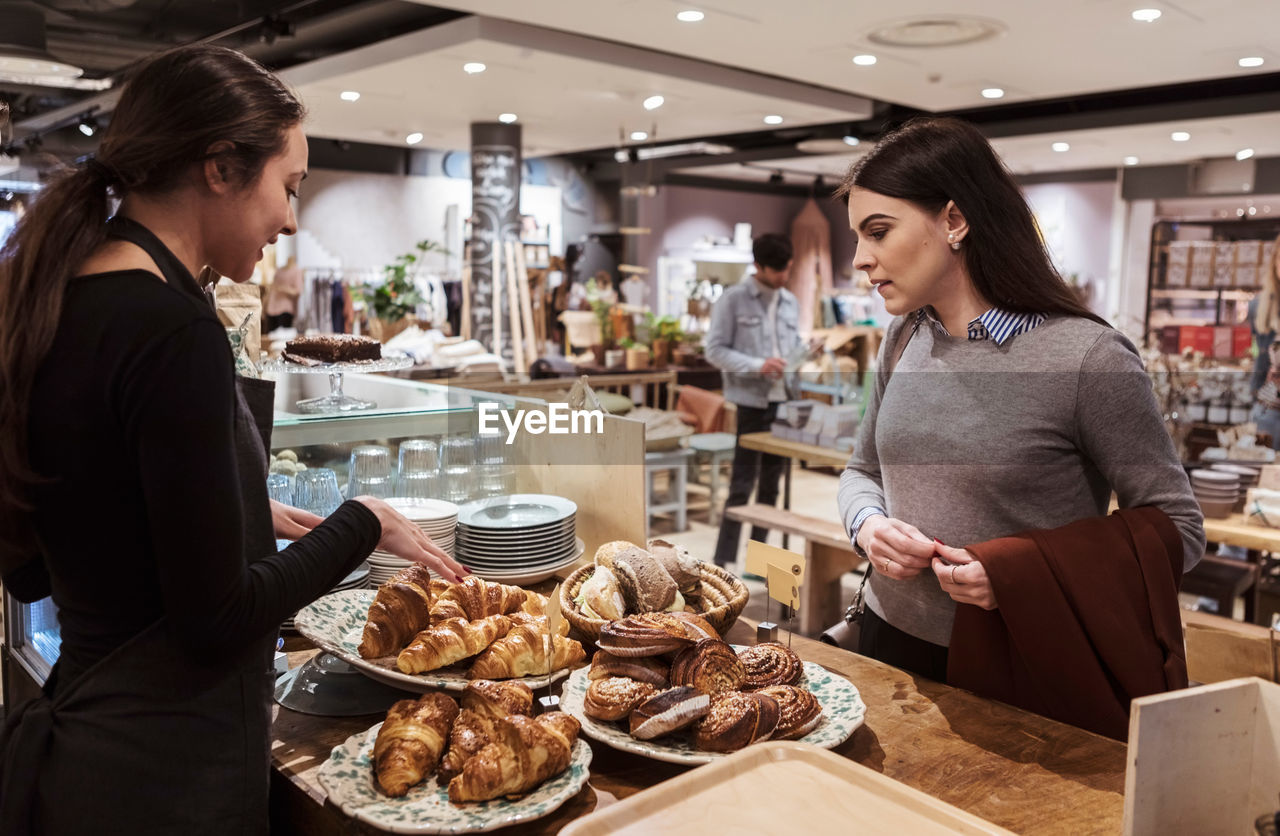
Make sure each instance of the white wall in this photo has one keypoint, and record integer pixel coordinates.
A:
(1076, 220)
(366, 220)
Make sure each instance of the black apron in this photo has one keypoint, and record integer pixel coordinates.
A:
(153, 739)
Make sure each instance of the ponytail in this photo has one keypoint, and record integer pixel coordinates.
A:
(63, 226)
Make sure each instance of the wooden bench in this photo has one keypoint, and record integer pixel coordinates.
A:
(828, 553)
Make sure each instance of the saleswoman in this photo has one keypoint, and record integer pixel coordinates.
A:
(1001, 404)
(134, 464)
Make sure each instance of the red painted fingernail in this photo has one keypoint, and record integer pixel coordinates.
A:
(939, 542)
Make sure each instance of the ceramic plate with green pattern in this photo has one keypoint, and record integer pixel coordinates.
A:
(336, 624)
(348, 778)
(842, 711)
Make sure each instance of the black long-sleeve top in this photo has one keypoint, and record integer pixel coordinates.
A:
(131, 421)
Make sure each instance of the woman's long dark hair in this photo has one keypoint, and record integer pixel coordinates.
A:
(173, 109)
(929, 161)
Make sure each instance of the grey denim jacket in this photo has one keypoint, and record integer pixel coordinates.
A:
(738, 344)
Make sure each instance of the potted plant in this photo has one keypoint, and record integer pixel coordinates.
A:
(390, 307)
(601, 306)
(664, 333)
(637, 354)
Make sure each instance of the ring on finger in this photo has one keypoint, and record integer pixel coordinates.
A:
(887, 561)
(953, 574)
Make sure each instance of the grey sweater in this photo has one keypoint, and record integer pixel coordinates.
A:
(969, 441)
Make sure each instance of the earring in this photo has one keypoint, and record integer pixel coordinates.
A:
(955, 245)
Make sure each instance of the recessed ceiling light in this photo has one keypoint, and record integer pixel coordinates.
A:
(689, 16)
(1061, 146)
(507, 118)
(773, 119)
(621, 155)
(473, 67)
(992, 93)
(864, 60)
(1179, 136)
(1251, 61)
(1146, 15)
(1131, 160)
(413, 138)
(639, 136)
(851, 140)
(654, 102)
(349, 96)
(1244, 153)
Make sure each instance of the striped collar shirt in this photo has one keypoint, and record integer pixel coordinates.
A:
(996, 324)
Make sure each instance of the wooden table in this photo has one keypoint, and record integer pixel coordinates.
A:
(767, 442)
(1021, 771)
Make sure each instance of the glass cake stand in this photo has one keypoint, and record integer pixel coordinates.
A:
(336, 401)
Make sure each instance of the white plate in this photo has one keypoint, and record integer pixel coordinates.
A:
(423, 510)
(509, 556)
(520, 510)
(557, 559)
(842, 708)
(348, 778)
(517, 542)
(488, 531)
(525, 577)
(336, 623)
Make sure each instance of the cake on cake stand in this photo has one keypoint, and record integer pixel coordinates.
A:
(336, 400)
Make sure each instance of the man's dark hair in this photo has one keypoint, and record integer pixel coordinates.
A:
(772, 250)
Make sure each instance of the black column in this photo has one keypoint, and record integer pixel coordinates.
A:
(495, 217)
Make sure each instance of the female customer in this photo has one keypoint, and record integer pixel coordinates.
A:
(1000, 405)
(134, 463)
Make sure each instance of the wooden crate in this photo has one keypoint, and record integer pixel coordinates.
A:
(1203, 760)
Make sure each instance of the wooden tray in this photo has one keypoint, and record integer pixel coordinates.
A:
(773, 787)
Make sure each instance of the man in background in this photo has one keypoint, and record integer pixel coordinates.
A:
(754, 327)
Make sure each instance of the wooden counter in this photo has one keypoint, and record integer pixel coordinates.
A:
(767, 442)
(1019, 770)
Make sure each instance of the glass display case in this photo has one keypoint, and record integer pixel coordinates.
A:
(581, 468)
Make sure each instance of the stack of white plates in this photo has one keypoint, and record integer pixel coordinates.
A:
(358, 579)
(517, 538)
(435, 517)
(1249, 475)
(1216, 491)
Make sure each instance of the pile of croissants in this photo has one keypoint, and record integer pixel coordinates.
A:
(431, 624)
(489, 748)
(665, 673)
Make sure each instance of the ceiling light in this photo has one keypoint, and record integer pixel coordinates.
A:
(1251, 61)
(23, 48)
(1244, 153)
(507, 118)
(639, 136)
(773, 119)
(473, 67)
(682, 149)
(89, 126)
(413, 138)
(1179, 136)
(621, 156)
(992, 93)
(936, 31)
(851, 140)
(1130, 160)
(1146, 15)
(349, 96)
(1061, 146)
(689, 16)
(864, 60)
(654, 102)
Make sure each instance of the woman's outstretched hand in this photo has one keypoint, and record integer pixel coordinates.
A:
(404, 539)
(963, 577)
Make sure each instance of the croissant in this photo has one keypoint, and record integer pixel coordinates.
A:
(450, 641)
(472, 731)
(476, 598)
(535, 603)
(410, 741)
(524, 753)
(498, 699)
(538, 621)
(523, 651)
(399, 610)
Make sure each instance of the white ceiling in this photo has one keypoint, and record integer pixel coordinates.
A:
(1099, 148)
(570, 93)
(1048, 48)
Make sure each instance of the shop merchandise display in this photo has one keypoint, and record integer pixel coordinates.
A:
(332, 348)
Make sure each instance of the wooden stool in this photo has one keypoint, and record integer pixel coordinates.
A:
(718, 447)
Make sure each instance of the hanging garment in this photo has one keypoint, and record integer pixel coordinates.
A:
(811, 270)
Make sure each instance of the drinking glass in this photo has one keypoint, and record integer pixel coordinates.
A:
(370, 471)
(494, 474)
(316, 490)
(280, 488)
(457, 468)
(419, 470)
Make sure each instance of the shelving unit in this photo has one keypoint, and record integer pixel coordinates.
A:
(1220, 303)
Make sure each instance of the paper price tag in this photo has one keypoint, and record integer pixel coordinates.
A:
(760, 556)
(783, 586)
(553, 620)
